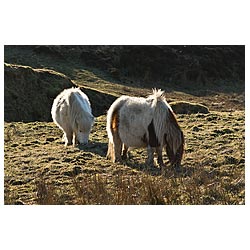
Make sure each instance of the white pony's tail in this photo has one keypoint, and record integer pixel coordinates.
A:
(113, 115)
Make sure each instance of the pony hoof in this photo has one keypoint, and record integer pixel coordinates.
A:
(117, 160)
(177, 168)
(162, 167)
(124, 157)
(68, 144)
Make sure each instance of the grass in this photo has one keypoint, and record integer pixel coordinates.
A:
(40, 170)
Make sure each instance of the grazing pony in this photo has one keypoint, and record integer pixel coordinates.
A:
(144, 122)
(72, 113)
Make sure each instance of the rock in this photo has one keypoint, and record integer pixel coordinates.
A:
(188, 108)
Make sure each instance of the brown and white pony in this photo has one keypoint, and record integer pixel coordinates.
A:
(144, 122)
(72, 113)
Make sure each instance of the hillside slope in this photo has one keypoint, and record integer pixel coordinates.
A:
(94, 68)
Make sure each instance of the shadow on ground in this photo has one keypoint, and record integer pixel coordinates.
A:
(98, 148)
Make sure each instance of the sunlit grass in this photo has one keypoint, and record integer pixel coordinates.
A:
(40, 170)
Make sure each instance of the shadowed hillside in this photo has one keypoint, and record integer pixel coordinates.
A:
(29, 92)
(176, 63)
(187, 73)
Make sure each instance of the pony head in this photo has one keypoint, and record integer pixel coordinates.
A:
(84, 125)
(174, 140)
(175, 153)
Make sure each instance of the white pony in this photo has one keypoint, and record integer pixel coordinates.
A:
(72, 113)
(144, 122)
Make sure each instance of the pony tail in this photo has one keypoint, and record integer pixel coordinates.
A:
(113, 115)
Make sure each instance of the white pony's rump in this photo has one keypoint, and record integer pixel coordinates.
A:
(144, 122)
(72, 113)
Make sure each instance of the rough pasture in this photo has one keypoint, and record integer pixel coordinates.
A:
(40, 170)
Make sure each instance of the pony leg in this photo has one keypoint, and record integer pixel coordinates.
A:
(110, 152)
(150, 159)
(75, 140)
(63, 137)
(117, 147)
(159, 157)
(68, 137)
(124, 152)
